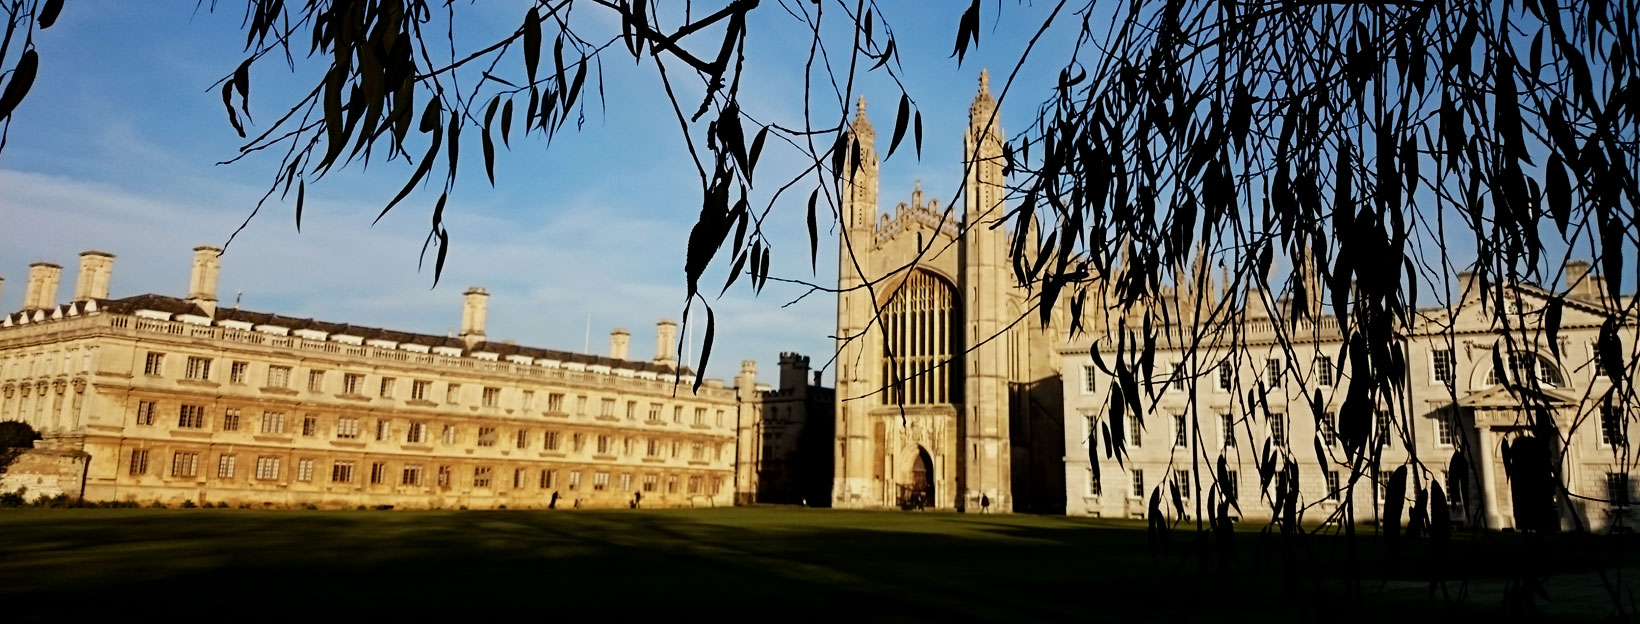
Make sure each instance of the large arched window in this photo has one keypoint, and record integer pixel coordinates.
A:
(1523, 366)
(922, 332)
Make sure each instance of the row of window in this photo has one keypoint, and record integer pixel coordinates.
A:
(1443, 370)
(186, 464)
(1611, 429)
(46, 363)
(354, 384)
(348, 428)
(1616, 483)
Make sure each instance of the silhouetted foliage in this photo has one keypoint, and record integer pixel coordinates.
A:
(1349, 142)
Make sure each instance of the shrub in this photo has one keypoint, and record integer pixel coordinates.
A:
(156, 505)
(384, 507)
(12, 499)
(188, 504)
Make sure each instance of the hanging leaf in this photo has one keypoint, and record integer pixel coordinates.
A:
(706, 347)
(900, 120)
(532, 43)
(48, 13)
(917, 132)
(757, 150)
(814, 233)
(506, 122)
(301, 196)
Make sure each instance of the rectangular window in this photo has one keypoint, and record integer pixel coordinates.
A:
(631, 410)
(549, 479)
(378, 473)
(626, 482)
(1453, 495)
(139, 462)
(1324, 371)
(387, 388)
(606, 408)
(581, 406)
(411, 475)
(1231, 485)
(416, 433)
(1228, 422)
(1181, 431)
(238, 372)
(445, 475)
(191, 417)
(1599, 365)
(419, 388)
(304, 470)
(225, 466)
(518, 478)
(521, 439)
(600, 481)
(1093, 482)
(555, 402)
(1384, 431)
(549, 441)
(145, 412)
(654, 448)
(1611, 425)
(1334, 493)
(154, 364)
(185, 465)
(1090, 424)
(1136, 432)
(452, 393)
(273, 422)
(1090, 379)
(316, 381)
(1182, 478)
(1138, 484)
(1329, 428)
(352, 383)
(1443, 430)
(448, 437)
(697, 452)
(677, 414)
(1445, 369)
(278, 376)
(267, 468)
(1225, 376)
(481, 477)
(1617, 488)
(1272, 373)
(603, 444)
(574, 479)
(654, 412)
(528, 400)
(694, 485)
(198, 368)
(672, 484)
(650, 482)
(492, 397)
(486, 436)
(1278, 429)
(310, 426)
(383, 429)
(341, 472)
(230, 419)
(700, 417)
(347, 428)
(577, 442)
(626, 446)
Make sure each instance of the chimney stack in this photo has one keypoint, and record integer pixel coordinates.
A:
(42, 286)
(618, 342)
(666, 338)
(202, 279)
(474, 308)
(96, 268)
(1581, 283)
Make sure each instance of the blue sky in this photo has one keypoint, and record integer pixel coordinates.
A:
(115, 150)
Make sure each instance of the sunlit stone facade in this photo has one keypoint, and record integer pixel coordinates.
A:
(1455, 417)
(943, 400)
(180, 399)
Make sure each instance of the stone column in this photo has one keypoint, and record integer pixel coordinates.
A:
(1489, 479)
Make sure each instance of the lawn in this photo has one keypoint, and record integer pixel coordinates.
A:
(763, 563)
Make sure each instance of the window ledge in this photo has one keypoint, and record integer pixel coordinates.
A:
(420, 403)
(271, 437)
(359, 398)
(190, 433)
(417, 447)
(604, 457)
(347, 443)
(198, 383)
(283, 391)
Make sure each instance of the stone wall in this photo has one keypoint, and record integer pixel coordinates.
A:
(56, 466)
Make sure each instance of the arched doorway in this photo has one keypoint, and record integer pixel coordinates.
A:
(919, 492)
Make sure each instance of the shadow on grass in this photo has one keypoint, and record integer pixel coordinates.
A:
(734, 563)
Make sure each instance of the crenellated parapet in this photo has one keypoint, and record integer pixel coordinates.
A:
(915, 216)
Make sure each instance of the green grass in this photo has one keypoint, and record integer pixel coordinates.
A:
(782, 564)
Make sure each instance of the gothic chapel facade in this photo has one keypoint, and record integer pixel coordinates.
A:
(943, 400)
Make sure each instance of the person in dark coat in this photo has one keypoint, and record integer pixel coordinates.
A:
(553, 504)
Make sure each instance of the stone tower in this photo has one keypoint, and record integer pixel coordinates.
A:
(856, 357)
(985, 283)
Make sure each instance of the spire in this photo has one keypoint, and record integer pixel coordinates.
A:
(983, 102)
(917, 196)
(862, 126)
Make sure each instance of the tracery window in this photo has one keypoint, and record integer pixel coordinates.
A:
(922, 332)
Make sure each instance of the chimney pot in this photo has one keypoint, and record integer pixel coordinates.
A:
(666, 339)
(42, 286)
(96, 269)
(474, 308)
(619, 340)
